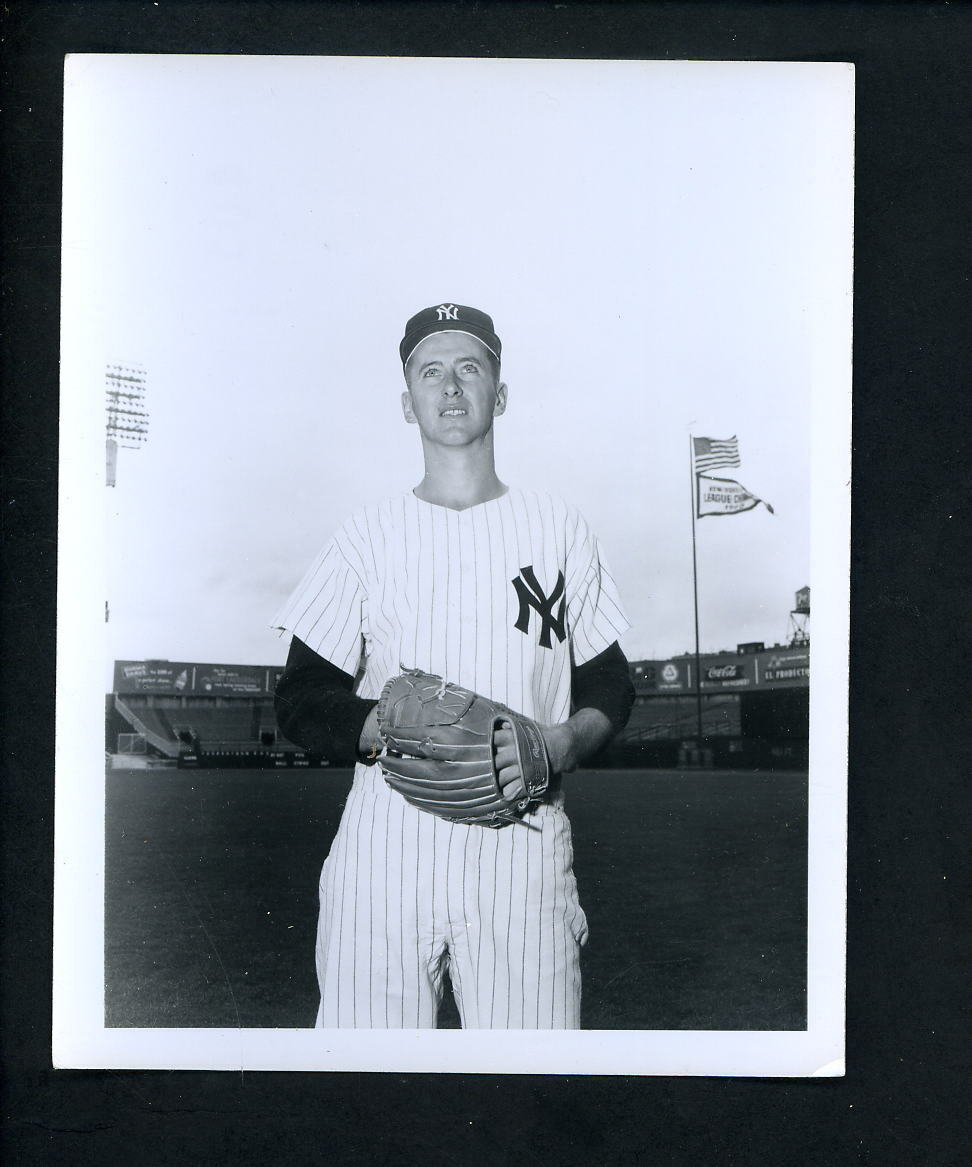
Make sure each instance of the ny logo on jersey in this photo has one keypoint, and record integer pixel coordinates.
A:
(448, 312)
(531, 595)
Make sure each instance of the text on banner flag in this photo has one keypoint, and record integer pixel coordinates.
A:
(724, 496)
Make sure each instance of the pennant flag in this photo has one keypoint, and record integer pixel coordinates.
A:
(723, 496)
(710, 453)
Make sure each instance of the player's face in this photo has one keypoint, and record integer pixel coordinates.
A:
(453, 390)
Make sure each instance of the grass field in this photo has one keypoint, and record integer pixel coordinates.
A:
(694, 885)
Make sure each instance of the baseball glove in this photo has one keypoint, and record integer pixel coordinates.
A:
(439, 752)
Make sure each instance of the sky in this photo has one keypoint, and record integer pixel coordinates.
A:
(664, 248)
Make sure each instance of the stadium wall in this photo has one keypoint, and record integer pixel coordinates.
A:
(755, 713)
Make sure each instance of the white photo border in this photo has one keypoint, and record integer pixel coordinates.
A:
(80, 1039)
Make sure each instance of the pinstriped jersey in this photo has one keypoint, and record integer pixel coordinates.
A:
(501, 597)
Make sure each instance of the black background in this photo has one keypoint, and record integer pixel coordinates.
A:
(908, 959)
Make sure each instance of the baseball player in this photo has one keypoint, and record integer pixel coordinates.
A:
(504, 595)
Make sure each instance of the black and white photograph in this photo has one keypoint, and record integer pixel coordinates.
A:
(455, 455)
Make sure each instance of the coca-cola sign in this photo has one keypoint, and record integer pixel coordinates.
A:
(738, 673)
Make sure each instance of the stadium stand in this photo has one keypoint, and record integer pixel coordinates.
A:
(661, 718)
(754, 707)
(201, 730)
(146, 722)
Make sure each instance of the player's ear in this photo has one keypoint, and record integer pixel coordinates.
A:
(500, 406)
(407, 407)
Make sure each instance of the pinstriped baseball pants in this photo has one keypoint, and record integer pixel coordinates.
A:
(406, 896)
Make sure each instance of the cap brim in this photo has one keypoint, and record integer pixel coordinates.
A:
(412, 341)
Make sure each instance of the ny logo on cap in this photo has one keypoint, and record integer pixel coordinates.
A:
(448, 312)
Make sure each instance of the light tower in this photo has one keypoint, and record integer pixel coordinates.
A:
(126, 416)
(799, 631)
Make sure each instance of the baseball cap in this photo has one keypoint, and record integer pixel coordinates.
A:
(449, 318)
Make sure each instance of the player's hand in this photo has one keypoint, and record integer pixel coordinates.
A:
(507, 767)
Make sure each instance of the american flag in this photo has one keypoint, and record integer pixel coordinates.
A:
(710, 453)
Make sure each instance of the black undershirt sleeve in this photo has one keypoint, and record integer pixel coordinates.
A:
(604, 683)
(316, 707)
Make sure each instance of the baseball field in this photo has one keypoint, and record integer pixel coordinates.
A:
(694, 885)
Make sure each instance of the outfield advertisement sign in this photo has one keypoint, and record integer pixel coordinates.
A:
(786, 667)
(669, 676)
(776, 668)
(152, 676)
(737, 672)
(230, 680)
(182, 678)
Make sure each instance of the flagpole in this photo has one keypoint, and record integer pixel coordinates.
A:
(693, 485)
